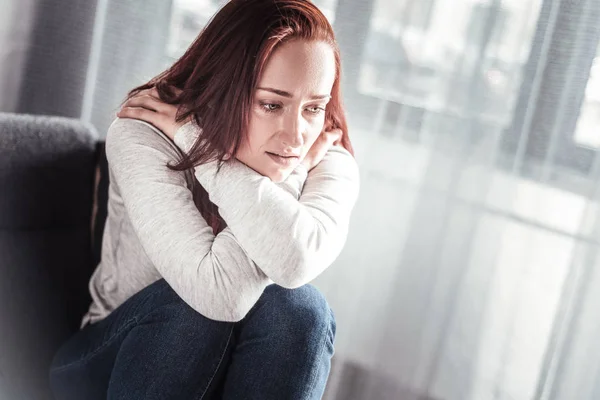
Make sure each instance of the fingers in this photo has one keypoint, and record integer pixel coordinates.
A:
(147, 106)
(144, 105)
(153, 92)
(146, 101)
(141, 113)
(333, 136)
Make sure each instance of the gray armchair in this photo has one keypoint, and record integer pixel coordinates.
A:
(50, 235)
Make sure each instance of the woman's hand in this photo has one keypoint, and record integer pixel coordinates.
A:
(147, 106)
(320, 147)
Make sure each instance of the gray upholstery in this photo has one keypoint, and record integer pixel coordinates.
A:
(47, 167)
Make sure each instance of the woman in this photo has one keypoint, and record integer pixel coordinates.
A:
(203, 289)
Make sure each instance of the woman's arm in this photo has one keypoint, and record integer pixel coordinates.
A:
(185, 136)
(213, 274)
(292, 241)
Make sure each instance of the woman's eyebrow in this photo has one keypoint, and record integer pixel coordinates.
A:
(289, 95)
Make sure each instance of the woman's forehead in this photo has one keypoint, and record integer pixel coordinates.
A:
(300, 67)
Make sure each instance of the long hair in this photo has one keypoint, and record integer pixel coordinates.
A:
(219, 72)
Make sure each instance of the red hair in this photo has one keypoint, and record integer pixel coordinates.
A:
(219, 72)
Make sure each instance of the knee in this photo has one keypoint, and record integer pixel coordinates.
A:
(303, 312)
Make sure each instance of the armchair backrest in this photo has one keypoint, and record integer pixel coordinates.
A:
(47, 176)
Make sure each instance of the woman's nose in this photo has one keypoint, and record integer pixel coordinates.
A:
(293, 133)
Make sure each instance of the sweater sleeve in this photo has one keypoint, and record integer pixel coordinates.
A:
(291, 240)
(213, 274)
(186, 136)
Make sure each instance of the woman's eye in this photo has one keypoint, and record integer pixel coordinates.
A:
(315, 109)
(270, 107)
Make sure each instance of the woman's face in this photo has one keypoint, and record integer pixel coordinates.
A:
(288, 109)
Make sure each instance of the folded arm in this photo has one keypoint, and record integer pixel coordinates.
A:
(213, 274)
(291, 240)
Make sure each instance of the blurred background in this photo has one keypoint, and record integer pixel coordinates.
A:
(471, 270)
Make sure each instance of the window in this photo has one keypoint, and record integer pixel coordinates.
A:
(187, 20)
(588, 125)
(458, 59)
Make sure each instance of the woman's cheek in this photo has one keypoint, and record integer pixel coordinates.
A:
(314, 133)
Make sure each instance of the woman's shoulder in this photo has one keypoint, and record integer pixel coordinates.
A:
(128, 133)
(128, 127)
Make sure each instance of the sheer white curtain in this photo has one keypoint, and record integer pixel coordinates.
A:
(16, 22)
(44, 55)
(471, 270)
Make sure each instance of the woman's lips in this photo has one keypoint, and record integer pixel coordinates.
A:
(281, 160)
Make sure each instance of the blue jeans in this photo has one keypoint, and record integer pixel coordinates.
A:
(155, 346)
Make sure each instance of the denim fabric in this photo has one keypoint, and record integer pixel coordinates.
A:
(155, 346)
